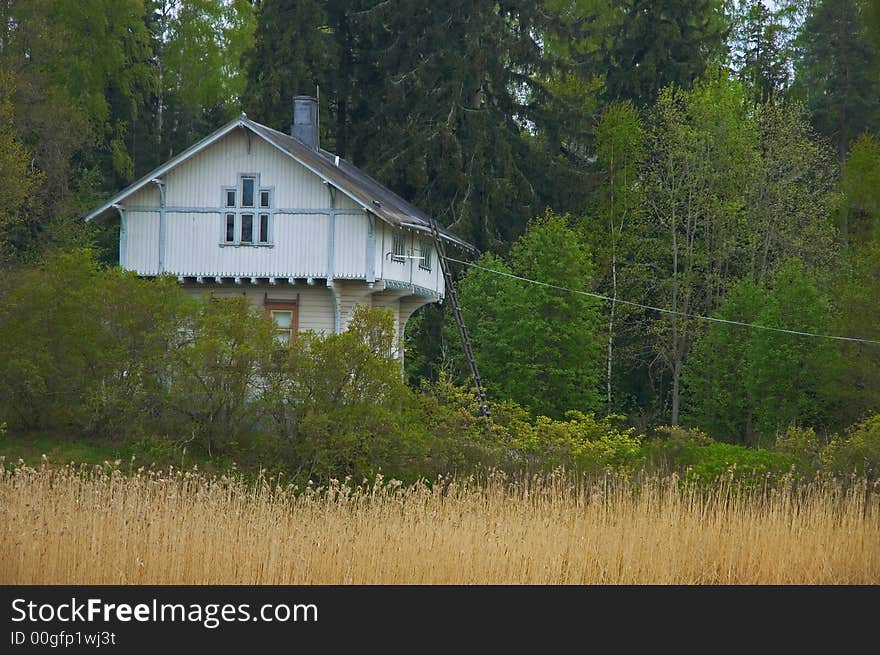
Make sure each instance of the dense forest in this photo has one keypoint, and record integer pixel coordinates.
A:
(657, 164)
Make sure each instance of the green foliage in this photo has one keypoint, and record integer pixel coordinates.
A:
(784, 370)
(850, 379)
(746, 384)
(82, 348)
(214, 372)
(661, 43)
(856, 451)
(205, 43)
(537, 345)
(199, 46)
(835, 74)
(792, 197)
(681, 437)
(460, 438)
(739, 464)
(339, 401)
(581, 443)
(800, 442)
(18, 180)
(703, 147)
(762, 37)
(861, 191)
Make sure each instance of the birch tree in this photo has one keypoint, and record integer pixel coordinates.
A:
(703, 154)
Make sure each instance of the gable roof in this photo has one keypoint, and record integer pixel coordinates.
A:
(353, 182)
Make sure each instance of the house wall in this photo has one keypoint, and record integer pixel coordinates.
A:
(301, 221)
(139, 243)
(407, 272)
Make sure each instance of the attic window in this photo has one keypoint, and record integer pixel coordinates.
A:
(398, 251)
(241, 226)
(247, 191)
(425, 254)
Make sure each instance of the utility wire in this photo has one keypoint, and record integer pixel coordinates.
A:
(665, 311)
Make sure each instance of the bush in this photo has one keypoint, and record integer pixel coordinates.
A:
(801, 443)
(459, 437)
(213, 374)
(674, 447)
(740, 464)
(340, 402)
(581, 443)
(857, 451)
(82, 349)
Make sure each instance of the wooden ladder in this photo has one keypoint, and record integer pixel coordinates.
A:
(459, 321)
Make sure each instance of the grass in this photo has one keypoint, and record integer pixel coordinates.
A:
(100, 525)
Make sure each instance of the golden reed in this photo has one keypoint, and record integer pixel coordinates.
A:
(76, 525)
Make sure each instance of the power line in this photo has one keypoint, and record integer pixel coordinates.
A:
(666, 311)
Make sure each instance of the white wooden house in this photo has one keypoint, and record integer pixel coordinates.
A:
(298, 230)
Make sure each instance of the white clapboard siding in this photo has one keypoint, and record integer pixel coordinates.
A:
(299, 249)
(407, 272)
(198, 182)
(142, 242)
(391, 302)
(351, 293)
(350, 246)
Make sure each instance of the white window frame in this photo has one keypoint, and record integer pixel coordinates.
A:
(425, 248)
(257, 211)
(398, 254)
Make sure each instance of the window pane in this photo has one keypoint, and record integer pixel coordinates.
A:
(282, 336)
(264, 228)
(247, 192)
(425, 261)
(247, 228)
(230, 228)
(264, 198)
(398, 254)
(230, 197)
(282, 319)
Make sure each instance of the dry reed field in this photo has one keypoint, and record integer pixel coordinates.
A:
(102, 526)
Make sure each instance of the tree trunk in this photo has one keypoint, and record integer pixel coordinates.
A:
(611, 321)
(676, 378)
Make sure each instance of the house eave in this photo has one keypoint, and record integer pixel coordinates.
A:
(158, 172)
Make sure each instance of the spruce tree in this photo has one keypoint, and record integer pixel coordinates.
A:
(835, 72)
(662, 42)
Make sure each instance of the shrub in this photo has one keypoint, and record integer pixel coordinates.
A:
(675, 447)
(857, 451)
(339, 401)
(459, 437)
(801, 443)
(214, 372)
(582, 442)
(741, 464)
(81, 350)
